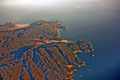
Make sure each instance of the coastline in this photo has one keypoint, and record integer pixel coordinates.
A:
(50, 41)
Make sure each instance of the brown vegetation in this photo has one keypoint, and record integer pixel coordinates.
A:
(47, 56)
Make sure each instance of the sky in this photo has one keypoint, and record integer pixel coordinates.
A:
(91, 19)
(59, 8)
(57, 3)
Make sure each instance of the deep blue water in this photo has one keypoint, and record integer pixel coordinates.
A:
(105, 65)
(99, 22)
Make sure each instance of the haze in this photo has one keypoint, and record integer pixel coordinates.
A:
(25, 11)
(56, 3)
(41, 2)
(97, 20)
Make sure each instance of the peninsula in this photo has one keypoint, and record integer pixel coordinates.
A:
(37, 52)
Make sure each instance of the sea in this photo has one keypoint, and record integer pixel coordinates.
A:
(101, 25)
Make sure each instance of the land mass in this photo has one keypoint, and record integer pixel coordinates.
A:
(37, 52)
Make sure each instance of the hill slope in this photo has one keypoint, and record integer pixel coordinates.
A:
(37, 52)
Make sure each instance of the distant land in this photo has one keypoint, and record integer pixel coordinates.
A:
(36, 51)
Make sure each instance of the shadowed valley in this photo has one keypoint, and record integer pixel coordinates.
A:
(36, 52)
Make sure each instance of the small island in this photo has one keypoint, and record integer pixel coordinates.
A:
(37, 52)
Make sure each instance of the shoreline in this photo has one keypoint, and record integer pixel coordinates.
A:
(58, 31)
(63, 40)
(50, 41)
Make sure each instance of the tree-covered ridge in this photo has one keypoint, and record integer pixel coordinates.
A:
(38, 53)
(39, 31)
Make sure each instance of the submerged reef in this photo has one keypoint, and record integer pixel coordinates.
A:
(37, 52)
